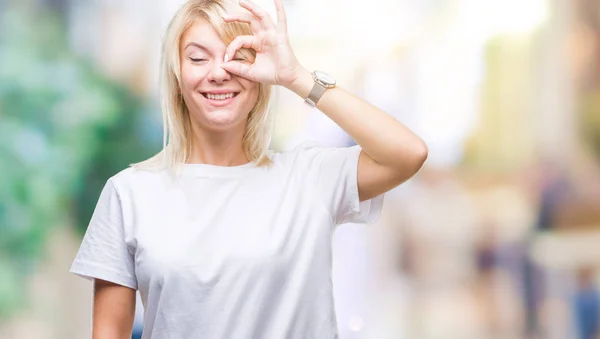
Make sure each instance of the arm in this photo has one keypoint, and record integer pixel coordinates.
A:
(114, 309)
(391, 152)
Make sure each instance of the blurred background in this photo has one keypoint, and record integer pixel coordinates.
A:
(498, 236)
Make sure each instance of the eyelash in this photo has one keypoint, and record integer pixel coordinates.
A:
(199, 60)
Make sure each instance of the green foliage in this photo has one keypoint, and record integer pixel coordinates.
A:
(64, 129)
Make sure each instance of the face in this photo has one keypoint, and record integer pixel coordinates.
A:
(216, 99)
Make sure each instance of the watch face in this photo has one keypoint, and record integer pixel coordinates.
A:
(325, 78)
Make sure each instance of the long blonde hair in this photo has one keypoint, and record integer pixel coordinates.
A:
(177, 127)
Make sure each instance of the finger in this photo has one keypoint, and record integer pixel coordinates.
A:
(241, 41)
(238, 68)
(262, 16)
(246, 18)
(281, 17)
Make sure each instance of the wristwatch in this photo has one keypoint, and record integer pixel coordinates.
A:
(323, 82)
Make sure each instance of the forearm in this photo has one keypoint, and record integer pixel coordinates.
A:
(387, 141)
(113, 311)
(110, 333)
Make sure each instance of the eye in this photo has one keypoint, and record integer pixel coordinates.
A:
(197, 59)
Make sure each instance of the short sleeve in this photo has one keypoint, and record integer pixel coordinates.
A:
(104, 253)
(338, 183)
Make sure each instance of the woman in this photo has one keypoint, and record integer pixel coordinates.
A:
(223, 238)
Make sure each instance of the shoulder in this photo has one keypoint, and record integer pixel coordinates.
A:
(134, 178)
(124, 176)
(311, 153)
(304, 153)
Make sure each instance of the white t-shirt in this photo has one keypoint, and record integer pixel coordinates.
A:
(229, 252)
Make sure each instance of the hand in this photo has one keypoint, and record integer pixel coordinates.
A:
(275, 62)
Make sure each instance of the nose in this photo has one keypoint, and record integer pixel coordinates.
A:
(217, 74)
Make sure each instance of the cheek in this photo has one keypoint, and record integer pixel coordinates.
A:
(252, 89)
(252, 96)
(191, 76)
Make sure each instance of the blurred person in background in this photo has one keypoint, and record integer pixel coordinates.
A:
(486, 258)
(223, 237)
(551, 189)
(553, 192)
(586, 305)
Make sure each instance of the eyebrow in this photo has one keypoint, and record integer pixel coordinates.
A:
(195, 44)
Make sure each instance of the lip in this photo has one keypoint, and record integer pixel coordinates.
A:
(220, 91)
(219, 103)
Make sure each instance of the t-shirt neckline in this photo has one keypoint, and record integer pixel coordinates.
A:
(214, 170)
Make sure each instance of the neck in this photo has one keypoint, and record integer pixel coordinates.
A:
(218, 148)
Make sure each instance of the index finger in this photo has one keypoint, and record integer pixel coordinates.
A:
(263, 17)
(246, 18)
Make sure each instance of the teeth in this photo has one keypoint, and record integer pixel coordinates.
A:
(219, 96)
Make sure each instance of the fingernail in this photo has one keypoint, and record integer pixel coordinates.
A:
(225, 60)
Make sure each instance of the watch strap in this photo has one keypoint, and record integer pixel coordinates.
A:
(315, 94)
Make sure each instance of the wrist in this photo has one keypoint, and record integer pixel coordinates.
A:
(303, 83)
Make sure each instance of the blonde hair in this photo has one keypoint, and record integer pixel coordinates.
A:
(177, 127)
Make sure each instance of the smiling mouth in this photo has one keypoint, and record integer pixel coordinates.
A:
(220, 96)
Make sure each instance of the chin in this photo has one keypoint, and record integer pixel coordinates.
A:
(223, 119)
